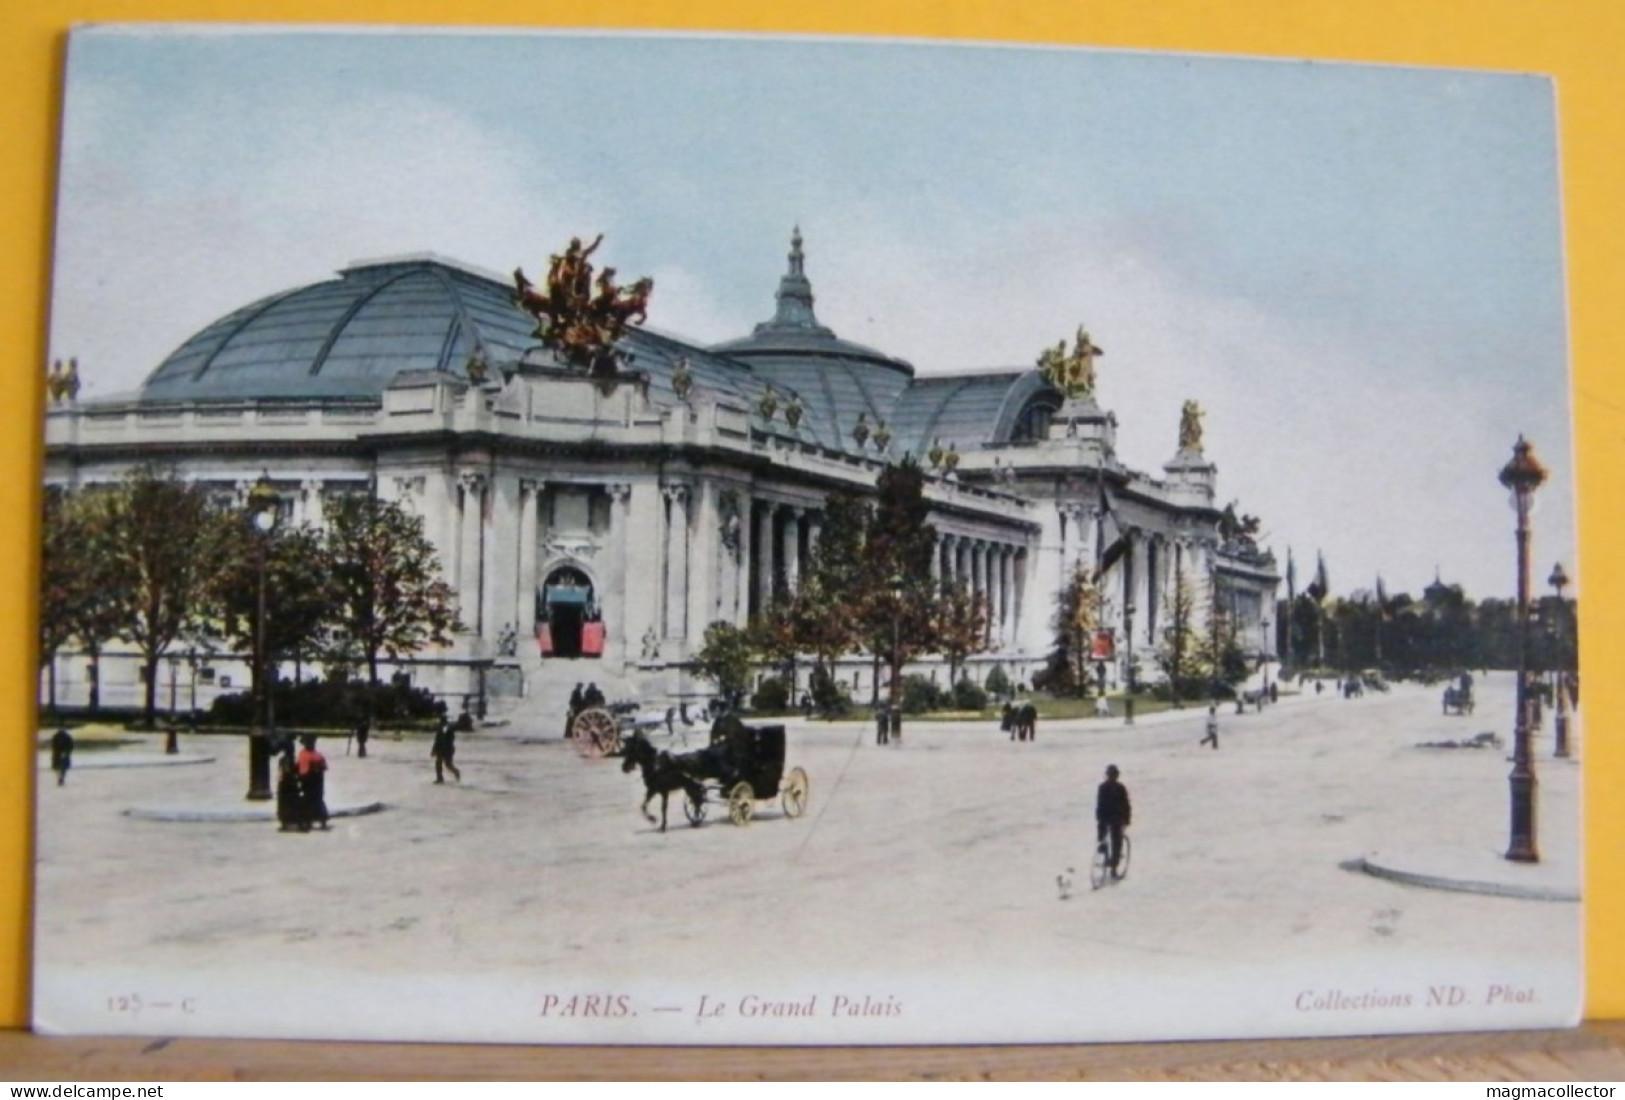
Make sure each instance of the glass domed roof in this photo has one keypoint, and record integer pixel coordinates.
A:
(347, 337)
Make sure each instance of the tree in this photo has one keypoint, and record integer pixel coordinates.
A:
(389, 598)
(1216, 656)
(1180, 654)
(69, 588)
(896, 608)
(300, 594)
(1077, 617)
(161, 541)
(725, 658)
(961, 626)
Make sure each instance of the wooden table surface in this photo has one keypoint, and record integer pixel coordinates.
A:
(1594, 1052)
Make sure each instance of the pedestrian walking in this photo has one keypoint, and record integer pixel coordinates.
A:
(61, 754)
(443, 751)
(363, 730)
(312, 770)
(1212, 737)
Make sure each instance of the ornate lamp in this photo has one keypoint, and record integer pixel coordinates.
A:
(262, 506)
(1522, 475)
(1559, 580)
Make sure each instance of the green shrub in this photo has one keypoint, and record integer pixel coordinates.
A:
(830, 696)
(998, 683)
(921, 695)
(332, 703)
(968, 696)
(772, 695)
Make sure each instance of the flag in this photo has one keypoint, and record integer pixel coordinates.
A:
(1109, 541)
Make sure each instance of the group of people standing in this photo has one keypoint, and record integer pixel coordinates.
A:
(301, 789)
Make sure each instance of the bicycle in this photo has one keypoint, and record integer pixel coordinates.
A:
(1100, 869)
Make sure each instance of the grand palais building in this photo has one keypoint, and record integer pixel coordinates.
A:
(593, 535)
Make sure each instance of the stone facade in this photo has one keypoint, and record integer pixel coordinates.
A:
(552, 499)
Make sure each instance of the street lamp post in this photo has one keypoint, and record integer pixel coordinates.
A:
(895, 718)
(262, 513)
(1128, 631)
(1522, 475)
(1559, 580)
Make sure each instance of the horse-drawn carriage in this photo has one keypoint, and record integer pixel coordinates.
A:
(743, 765)
(1458, 698)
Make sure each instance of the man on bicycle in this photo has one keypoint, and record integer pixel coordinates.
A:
(1112, 814)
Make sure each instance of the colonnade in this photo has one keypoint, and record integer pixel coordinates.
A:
(995, 573)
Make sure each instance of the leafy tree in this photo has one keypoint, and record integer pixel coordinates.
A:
(1179, 655)
(389, 596)
(896, 609)
(299, 590)
(998, 683)
(1077, 617)
(961, 626)
(1217, 657)
(161, 541)
(725, 658)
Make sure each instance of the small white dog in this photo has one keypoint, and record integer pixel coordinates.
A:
(1103, 709)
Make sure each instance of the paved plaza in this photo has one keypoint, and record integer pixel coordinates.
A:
(917, 899)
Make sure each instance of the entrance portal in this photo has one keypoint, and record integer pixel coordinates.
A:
(569, 614)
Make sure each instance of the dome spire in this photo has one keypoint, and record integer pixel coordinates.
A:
(795, 297)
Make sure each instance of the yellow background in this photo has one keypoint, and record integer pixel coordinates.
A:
(1580, 42)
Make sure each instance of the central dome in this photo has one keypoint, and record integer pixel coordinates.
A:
(836, 378)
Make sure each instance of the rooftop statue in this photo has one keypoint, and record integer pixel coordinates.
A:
(1190, 427)
(1072, 373)
(581, 318)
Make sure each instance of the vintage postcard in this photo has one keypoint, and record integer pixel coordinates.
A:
(636, 539)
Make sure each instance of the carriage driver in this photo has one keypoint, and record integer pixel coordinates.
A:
(1112, 813)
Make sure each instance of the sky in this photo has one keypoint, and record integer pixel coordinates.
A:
(1356, 270)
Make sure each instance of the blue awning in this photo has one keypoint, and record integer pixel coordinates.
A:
(563, 594)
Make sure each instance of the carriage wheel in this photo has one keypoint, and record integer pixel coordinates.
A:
(794, 795)
(694, 809)
(740, 803)
(594, 730)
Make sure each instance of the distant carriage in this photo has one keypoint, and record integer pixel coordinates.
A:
(1458, 699)
(602, 730)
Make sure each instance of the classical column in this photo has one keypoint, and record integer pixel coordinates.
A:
(469, 565)
(936, 563)
(792, 548)
(524, 611)
(615, 600)
(764, 558)
(706, 574)
(815, 532)
(676, 560)
(1006, 590)
(648, 547)
(745, 534)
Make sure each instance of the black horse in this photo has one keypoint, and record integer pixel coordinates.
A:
(664, 773)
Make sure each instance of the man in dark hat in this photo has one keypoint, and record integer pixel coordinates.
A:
(1112, 814)
(443, 751)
